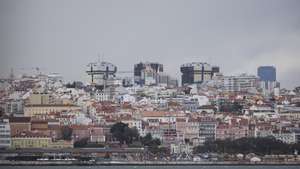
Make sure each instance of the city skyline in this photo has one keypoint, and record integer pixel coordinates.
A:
(135, 83)
(236, 36)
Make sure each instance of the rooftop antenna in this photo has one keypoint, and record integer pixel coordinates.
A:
(11, 75)
(99, 57)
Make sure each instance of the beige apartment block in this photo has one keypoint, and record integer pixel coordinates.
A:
(33, 110)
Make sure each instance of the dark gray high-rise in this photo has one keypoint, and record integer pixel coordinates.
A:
(197, 72)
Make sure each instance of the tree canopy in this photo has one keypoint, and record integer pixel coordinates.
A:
(66, 132)
(123, 133)
(231, 107)
(81, 143)
(261, 146)
(153, 144)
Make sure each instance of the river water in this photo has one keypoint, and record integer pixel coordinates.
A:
(150, 167)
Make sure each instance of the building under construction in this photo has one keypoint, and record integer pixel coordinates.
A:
(103, 77)
(102, 73)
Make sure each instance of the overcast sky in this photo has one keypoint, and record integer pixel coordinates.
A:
(65, 35)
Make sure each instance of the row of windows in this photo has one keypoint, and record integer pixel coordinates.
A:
(203, 132)
(4, 131)
(4, 141)
(29, 146)
(33, 141)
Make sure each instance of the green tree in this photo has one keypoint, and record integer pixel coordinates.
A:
(262, 146)
(123, 133)
(1, 112)
(231, 107)
(81, 143)
(66, 132)
(152, 144)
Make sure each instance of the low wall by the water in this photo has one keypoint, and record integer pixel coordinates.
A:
(150, 163)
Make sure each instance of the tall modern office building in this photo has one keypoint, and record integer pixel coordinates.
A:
(147, 73)
(197, 72)
(267, 77)
(266, 73)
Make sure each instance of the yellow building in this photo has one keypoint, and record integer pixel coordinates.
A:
(61, 144)
(39, 98)
(33, 110)
(30, 139)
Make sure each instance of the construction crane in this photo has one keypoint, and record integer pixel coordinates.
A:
(91, 65)
(124, 72)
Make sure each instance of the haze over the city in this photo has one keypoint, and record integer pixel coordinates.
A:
(64, 36)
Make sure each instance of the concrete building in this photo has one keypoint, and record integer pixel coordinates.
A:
(166, 80)
(14, 107)
(268, 87)
(263, 112)
(241, 83)
(147, 73)
(289, 112)
(207, 128)
(197, 72)
(5, 140)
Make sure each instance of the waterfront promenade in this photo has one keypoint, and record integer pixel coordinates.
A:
(136, 163)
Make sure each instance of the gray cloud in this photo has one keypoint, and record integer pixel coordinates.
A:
(63, 36)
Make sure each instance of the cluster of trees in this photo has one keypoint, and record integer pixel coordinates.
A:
(66, 132)
(1, 111)
(130, 136)
(84, 143)
(260, 146)
(231, 107)
(75, 84)
(123, 133)
(153, 145)
(81, 143)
